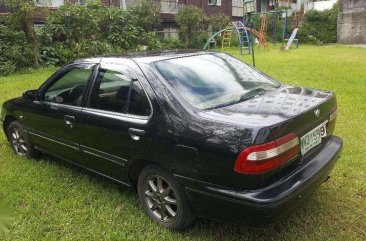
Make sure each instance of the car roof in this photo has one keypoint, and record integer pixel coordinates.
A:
(146, 57)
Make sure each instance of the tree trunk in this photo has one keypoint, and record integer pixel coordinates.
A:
(31, 38)
(187, 39)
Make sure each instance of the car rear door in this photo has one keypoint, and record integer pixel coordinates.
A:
(115, 121)
(52, 121)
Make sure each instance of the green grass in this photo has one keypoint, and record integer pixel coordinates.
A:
(51, 200)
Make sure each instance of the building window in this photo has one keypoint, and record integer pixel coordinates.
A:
(214, 2)
(170, 6)
(38, 25)
(171, 32)
(237, 9)
(82, 2)
(50, 3)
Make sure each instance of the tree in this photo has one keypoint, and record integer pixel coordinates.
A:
(22, 15)
(218, 21)
(189, 19)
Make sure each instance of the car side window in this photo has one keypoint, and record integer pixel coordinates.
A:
(111, 91)
(69, 88)
(138, 104)
(116, 91)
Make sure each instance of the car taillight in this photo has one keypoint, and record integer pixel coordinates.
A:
(261, 158)
(333, 114)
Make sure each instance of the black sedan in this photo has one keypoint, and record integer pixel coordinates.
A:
(200, 134)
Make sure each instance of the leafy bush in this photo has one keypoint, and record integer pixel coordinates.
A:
(14, 52)
(320, 26)
(75, 31)
(171, 43)
(199, 39)
(22, 16)
(218, 21)
(189, 19)
(72, 23)
(7, 68)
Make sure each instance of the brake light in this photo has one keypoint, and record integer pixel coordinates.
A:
(333, 114)
(268, 156)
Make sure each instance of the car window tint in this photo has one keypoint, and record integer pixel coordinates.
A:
(111, 92)
(69, 88)
(139, 103)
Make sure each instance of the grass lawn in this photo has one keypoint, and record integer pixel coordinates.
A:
(52, 200)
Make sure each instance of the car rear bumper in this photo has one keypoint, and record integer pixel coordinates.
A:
(267, 205)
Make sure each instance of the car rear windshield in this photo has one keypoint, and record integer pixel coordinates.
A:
(210, 81)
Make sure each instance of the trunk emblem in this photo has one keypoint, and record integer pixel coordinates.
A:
(317, 113)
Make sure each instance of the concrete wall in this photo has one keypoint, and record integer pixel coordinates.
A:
(352, 22)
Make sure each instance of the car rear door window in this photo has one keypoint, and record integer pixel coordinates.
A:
(116, 91)
(111, 91)
(138, 104)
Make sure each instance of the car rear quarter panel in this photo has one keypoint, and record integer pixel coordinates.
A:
(204, 149)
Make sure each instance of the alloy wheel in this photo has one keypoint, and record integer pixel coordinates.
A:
(18, 142)
(161, 199)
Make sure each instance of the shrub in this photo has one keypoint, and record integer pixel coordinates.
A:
(199, 39)
(320, 25)
(75, 31)
(14, 52)
(7, 67)
(22, 15)
(171, 43)
(189, 19)
(72, 23)
(218, 21)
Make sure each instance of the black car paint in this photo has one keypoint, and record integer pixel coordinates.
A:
(198, 147)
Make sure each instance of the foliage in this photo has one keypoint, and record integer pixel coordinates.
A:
(218, 21)
(145, 14)
(22, 15)
(171, 43)
(75, 31)
(14, 52)
(320, 25)
(72, 23)
(7, 67)
(189, 19)
(198, 40)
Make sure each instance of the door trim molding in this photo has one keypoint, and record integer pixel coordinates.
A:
(104, 155)
(71, 144)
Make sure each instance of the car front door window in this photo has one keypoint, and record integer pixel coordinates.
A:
(69, 88)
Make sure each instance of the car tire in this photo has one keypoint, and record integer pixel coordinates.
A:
(20, 142)
(163, 199)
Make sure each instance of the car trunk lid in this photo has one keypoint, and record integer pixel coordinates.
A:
(284, 111)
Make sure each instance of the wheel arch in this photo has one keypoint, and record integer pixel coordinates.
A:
(7, 120)
(136, 168)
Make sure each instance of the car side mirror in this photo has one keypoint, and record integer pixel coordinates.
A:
(31, 95)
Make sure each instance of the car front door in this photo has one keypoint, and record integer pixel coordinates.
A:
(114, 121)
(53, 120)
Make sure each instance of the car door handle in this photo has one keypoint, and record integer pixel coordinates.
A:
(136, 133)
(69, 120)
